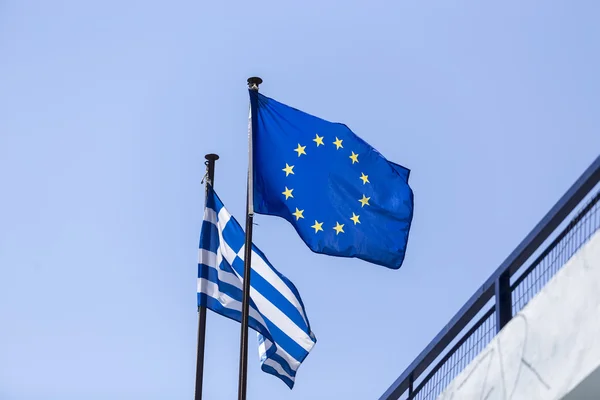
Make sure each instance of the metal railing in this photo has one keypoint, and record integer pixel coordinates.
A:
(520, 277)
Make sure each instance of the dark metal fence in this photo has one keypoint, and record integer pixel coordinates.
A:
(534, 278)
(455, 360)
(566, 227)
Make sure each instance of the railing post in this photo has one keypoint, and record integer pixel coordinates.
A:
(503, 300)
(410, 387)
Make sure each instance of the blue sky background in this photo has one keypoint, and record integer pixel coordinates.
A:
(108, 107)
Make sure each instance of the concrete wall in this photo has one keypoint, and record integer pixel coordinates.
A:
(547, 349)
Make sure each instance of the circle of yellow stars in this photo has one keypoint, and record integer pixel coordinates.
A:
(288, 192)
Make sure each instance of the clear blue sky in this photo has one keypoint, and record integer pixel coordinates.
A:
(108, 107)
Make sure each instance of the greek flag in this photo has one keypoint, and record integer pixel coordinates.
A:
(276, 309)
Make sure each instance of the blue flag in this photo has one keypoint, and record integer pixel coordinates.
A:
(276, 309)
(340, 194)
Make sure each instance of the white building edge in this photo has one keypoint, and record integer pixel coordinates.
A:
(551, 348)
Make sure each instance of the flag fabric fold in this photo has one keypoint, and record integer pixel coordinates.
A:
(276, 310)
(340, 194)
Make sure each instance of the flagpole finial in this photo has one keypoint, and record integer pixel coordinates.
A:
(209, 176)
(254, 82)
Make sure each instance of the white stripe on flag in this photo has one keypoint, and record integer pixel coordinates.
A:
(210, 215)
(207, 257)
(223, 219)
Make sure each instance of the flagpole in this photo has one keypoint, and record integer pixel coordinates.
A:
(210, 179)
(253, 84)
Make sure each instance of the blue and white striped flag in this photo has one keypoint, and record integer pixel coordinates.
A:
(276, 309)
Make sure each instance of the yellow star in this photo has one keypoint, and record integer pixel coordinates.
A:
(300, 150)
(289, 169)
(318, 140)
(365, 178)
(287, 193)
(364, 201)
(298, 214)
(354, 158)
(338, 228)
(317, 226)
(338, 143)
(355, 218)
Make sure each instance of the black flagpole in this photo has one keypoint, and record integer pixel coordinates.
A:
(210, 179)
(252, 85)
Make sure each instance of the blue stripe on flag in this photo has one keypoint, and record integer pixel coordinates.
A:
(209, 238)
(214, 203)
(233, 239)
(270, 370)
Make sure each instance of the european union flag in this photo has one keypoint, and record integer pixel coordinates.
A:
(340, 194)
